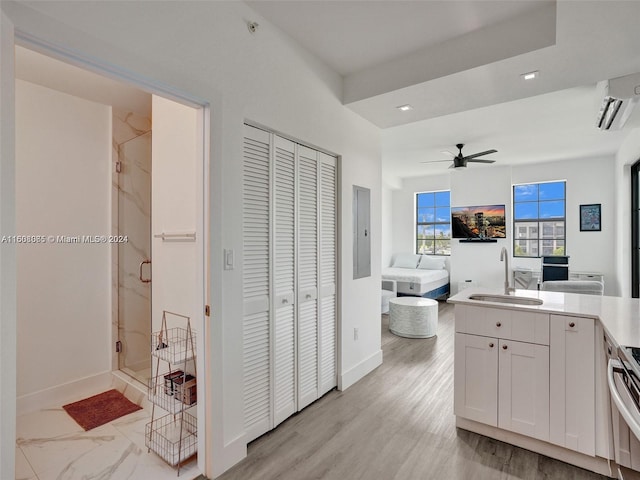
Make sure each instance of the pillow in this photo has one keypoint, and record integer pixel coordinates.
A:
(431, 263)
(406, 260)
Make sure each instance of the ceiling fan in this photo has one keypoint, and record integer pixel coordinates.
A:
(460, 160)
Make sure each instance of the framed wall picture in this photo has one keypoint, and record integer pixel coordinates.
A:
(590, 218)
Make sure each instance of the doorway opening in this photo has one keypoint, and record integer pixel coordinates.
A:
(106, 317)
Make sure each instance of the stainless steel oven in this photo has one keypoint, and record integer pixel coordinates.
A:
(623, 377)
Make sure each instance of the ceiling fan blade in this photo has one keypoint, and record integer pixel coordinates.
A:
(447, 152)
(481, 154)
(480, 160)
(452, 165)
(435, 161)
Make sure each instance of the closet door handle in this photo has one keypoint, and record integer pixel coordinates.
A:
(144, 280)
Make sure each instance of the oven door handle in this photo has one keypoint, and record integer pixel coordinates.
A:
(630, 420)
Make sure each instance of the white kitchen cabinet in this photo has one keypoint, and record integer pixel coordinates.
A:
(523, 388)
(531, 327)
(476, 378)
(502, 383)
(572, 383)
(501, 372)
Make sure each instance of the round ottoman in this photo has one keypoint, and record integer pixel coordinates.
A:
(413, 317)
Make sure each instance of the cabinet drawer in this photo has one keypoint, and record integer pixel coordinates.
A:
(587, 276)
(523, 326)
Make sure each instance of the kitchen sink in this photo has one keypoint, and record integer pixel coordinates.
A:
(484, 297)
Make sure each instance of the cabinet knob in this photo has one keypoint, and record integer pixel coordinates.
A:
(572, 324)
(284, 300)
(504, 347)
(308, 295)
(498, 324)
(491, 345)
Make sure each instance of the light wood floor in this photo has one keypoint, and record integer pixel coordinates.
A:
(395, 424)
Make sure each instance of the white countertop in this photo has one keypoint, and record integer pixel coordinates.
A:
(619, 316)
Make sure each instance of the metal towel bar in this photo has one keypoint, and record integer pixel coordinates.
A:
(177, 237)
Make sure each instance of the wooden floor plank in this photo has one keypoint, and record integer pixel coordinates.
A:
(397, 423)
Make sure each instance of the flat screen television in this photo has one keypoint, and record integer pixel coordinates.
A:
(478, 222)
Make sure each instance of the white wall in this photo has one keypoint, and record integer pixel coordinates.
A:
(63, 182)
(628, 154)
(176, 208)
(403, 209)
(588, 181)
(480, 262)
(386, 231)
(265, 78)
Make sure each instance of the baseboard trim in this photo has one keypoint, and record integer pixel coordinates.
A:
(595, 464)
(363, 368)
(62, 394)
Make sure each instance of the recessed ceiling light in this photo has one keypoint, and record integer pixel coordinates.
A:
(530, 75)
(405, 108)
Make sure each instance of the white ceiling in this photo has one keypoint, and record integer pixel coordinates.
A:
(550, 127)
(51, 73)
(458, 63)
(351, 36)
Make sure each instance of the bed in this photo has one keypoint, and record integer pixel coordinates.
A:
(418, 275)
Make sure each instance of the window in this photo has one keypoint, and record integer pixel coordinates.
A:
(539, 219)
(433, 223)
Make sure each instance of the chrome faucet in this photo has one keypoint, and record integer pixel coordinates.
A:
(504, 257)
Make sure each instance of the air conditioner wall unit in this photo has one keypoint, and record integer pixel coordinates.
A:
(617, 97)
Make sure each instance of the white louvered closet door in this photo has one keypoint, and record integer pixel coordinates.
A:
(289, 278)
(256, 282)
(328, 257)
(307, 276)
(283, 249)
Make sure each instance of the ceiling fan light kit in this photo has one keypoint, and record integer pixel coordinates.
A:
(460, 160)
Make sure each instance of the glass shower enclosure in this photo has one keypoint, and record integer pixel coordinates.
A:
(134, 257)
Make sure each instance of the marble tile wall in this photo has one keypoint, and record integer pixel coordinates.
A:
(131, 207)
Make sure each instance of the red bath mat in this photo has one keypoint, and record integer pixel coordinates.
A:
(100, 409)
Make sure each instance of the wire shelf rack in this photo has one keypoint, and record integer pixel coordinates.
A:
(174, 439)
(174, 345)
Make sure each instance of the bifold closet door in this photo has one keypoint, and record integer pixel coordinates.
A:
(289, 278)
(317, 256)
(283, 248)
(307, 276)
(328, 264)
(256, 281)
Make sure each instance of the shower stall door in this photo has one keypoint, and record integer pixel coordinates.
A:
(134, 257)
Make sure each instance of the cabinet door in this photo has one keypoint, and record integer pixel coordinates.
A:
(523, 395)
(476, 378)
(572, 383)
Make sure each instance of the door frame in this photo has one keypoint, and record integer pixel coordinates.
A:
(8, 284)
(10, 37)
(635, 234)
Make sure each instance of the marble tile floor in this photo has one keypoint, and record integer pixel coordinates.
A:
(51, 445)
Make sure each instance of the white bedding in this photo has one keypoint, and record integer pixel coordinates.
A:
(414, 280)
